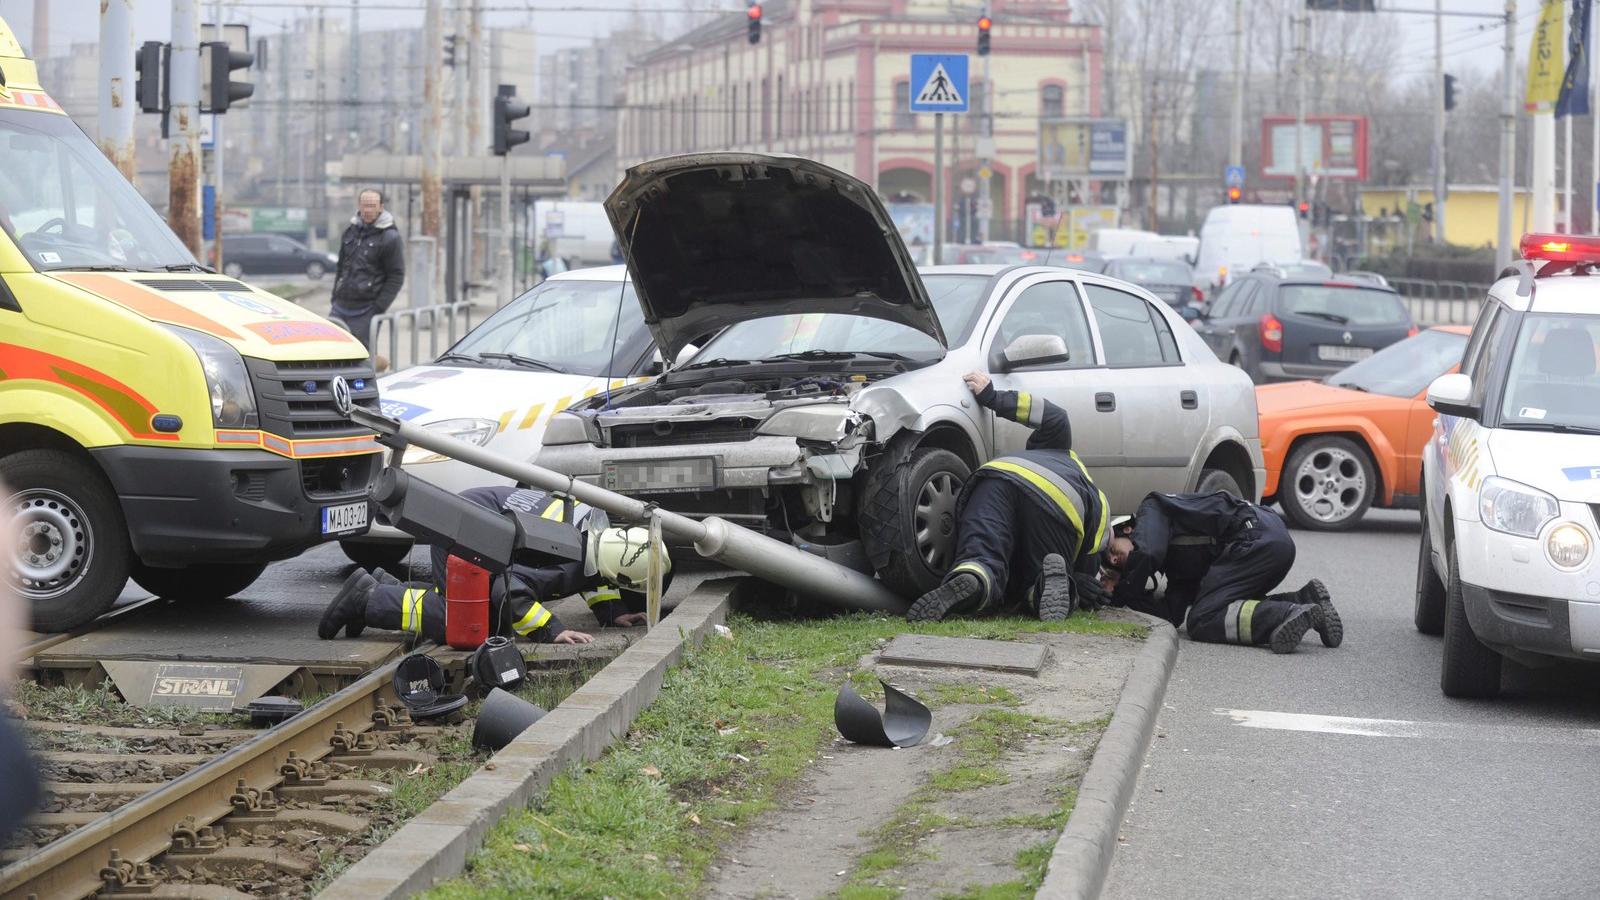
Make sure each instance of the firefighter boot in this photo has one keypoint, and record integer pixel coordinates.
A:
(962, 591)
(1327, 622)
(1286, 637)
(1055, 589)
(349, 607)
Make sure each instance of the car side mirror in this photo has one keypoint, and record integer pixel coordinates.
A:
(1192, 313)
(1035, 350)
(1451, 395)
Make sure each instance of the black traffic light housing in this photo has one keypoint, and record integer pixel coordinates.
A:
(508, 109)
(1305, 209)
(754, 14)
(1449, 92)
(984, 24)
(218, 63)
(450, 51)
(150, 88)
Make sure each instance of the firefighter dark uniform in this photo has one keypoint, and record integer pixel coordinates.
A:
(515, 596)
(1220, 556)
(1015, 514)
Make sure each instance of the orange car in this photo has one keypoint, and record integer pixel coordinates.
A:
(1335, 447)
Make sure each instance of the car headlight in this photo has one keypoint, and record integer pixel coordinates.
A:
(473, 431)
(1568, 546)
(565, 428)
(1514, 508)
(233, 402)
(816, 422)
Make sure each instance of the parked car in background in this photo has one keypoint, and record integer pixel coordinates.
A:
(273, 254)
(1236, 237)
(1168, 246)
(1281, 328)
(995, 254)
(831, 409)
(1354, 440)
(1087, 260)
(1306, 268)
(1166, 278)
(1365, 277)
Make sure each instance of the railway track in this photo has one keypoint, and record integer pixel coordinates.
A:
(44, 642)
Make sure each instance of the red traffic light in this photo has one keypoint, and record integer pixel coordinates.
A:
(984, 22)
(1304, 207)
(1235, 195)
(755, 11)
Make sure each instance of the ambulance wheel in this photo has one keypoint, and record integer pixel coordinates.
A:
(205, 581)
(71, 557)
(371, 555)
(908, 519)
(1467, 668)
(1213, 480)
(1429, 614)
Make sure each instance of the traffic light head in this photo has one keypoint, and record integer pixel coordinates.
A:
(754, 14)
(217, 65)
(148, 65)
(1449, 92)
(508, 109)
(1235, 195)
(1305, 209)
(984, 24)
(450, 51)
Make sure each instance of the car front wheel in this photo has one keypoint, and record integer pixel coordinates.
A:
(71, 555)
(1214, 480)
(1467, 668)
(1329, 484)
(908, 520)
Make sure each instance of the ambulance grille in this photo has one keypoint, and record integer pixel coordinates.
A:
(288, 408)
(179, 285)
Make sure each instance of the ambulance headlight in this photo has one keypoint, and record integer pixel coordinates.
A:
(1514, 508)
(233, 402)
(474, 431)
(1568, 546)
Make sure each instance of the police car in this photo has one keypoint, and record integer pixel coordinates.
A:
(575, 335)
(1511, 477)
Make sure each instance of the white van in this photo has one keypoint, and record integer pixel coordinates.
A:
(1109, 242)
(1236, 237)
(577, 231)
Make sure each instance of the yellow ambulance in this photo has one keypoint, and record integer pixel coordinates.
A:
(157, 421)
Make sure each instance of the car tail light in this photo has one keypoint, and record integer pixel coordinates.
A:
(1199, 296)
(1271, 333)
(1412, 332)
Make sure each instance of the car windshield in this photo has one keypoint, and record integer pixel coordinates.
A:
(956, 299)
(565, 325)
(66, 207)
(1345, 304)
(1553, 381)
(1149, 271)
(1405, 368)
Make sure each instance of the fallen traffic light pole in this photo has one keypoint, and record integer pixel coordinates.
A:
(713, 538)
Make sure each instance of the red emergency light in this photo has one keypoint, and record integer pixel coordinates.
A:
(1561, 247)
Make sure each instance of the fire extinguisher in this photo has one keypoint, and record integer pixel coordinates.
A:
(466, 604)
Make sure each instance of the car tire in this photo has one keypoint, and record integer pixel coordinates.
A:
(371, 555)
(908, 520)
(1429, 613)
(1467, 668)
(315, 270)
(1213, 480)
(233, 270)
(201, 582)
(1328, 484)
(65, 506)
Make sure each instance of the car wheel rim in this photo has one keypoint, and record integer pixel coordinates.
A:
(1330, 485)
(934, 520)
(54, 543)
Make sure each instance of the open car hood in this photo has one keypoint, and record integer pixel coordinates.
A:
(716, 238)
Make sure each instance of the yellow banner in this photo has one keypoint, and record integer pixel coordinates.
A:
(1546, 63)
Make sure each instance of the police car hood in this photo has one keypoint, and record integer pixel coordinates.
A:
(717, 238)
(1566, 465)
(254, 322)
(519, 399)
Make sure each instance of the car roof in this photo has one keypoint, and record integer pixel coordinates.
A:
(1452, 329)
(596, 273)
(1563, 293)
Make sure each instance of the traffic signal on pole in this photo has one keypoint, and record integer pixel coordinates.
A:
(984, 24)
(450, 51)
(1235, 195)
(754, 12)
(1449, 92)
(508, 109)
(149, 65)
(1305, 209)
(217, 65)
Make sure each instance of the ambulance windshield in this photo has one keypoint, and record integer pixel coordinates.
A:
(65, 206)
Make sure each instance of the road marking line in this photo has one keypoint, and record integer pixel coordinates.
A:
(1406, 728)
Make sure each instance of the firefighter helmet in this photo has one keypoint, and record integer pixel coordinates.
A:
(621, 556)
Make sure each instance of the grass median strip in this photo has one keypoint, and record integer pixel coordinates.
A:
(734, 724)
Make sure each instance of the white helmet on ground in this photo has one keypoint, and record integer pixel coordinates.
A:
(620, 556)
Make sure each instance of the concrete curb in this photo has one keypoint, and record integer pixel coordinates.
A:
(1082, 857)
(435, 845)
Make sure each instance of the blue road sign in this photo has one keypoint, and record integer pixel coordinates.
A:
(939, 83)
(1233, 176)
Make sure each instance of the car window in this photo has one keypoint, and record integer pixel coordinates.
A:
(1473, 355)
(1222, 307)
(566, 324)
(1343, 304)
(1487, 354)
(282, 245)
(1250, 300)
(1553, 379)
(1051, 307)
(1149, 271)
(1127, 332)
(1405, 368)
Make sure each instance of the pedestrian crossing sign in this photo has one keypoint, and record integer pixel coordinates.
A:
(939, 83)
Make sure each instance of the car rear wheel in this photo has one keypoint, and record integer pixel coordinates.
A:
(71, 555)
(371, 555)
(233, 270)
(908, 520)
(315, 270)
(1467, 668)
(1429, 614)
(1213, 480)
(1331, 483)
(202, 582)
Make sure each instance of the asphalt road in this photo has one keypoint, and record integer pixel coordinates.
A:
(1249, 790)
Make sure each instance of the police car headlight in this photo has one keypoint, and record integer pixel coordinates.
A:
(1568, 546)
(473, 431)
(233, 402)
(1513, 508)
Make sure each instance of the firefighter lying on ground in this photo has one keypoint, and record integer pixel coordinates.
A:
(1220, 555)
(614, 592)
(1029, 526)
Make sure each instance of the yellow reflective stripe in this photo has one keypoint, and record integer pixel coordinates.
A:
(411, 610)
(555, 511)
(590, 393)
(534, 620)
(1024, 405)
(505, 419)
(602, 596)
(978, 570)
(1247, 611)
(532, 416)
(1105, 507)
(1050, 490)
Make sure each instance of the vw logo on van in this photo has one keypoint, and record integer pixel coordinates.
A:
(342, 401)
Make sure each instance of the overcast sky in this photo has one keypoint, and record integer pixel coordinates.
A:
(1469, 43)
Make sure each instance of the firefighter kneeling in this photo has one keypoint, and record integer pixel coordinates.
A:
(611, 579)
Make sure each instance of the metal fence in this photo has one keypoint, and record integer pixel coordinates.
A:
(456, 319)
(1441, 302)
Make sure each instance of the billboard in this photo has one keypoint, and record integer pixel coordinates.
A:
(1083, 148)
(1331, 147)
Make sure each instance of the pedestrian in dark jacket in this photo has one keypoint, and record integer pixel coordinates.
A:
(372, 267)
(1221, 555)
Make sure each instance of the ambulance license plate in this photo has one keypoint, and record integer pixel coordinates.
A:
(345, 518)
(1335, 353)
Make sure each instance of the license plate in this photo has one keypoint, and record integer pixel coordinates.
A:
(693, 474)
(1336, 353)
(345, 518)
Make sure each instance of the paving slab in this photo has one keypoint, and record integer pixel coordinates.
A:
(964, 653)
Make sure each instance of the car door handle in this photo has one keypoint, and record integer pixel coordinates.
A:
(1189, 399)
(1105, 401)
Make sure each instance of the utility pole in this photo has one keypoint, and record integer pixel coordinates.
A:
(477, 57)
(41, 29)
(116, 84)
(284, 63)
(1508, 139)
(1155, 153)
(353, 123)
(1440, 186)
(183, 160)
(1236, 138)
(459, 76)
(319, 178)
(1302, 26)
(986, 148)
(432, 134)
(218, 33)
(938, 188)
